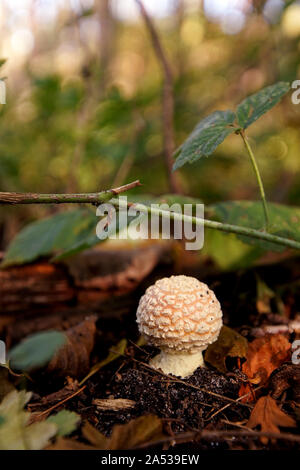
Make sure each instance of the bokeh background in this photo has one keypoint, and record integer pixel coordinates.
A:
(84, 89)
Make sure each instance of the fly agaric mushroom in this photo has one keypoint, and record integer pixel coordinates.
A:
(181, 316)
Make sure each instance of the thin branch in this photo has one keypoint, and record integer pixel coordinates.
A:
(220, 435)
(46, 412)
(105, 196)
(93, 198)
(211, 224)
(167, 99)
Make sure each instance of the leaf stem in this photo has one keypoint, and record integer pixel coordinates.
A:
(258, 177)
(211, 224)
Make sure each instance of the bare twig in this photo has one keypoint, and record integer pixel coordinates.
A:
(167, 99)
(219, 435)
(46, 412)
(93, 198)
(230, 404)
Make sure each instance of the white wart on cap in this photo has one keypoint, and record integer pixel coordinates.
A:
(181, 316)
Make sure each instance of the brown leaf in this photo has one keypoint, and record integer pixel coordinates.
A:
(69, 444)
(265, 355)
(229, 343)
(126, 436)
(94, 437)
(286, 377)
(74, 357)
(269, 417)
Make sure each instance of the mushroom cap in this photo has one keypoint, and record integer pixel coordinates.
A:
(179, 313)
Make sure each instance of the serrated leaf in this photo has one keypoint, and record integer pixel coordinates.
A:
(36, 350)
(15, 433)
(38, 435)
(66, 422)
(205, 138)
(284, 220)
(254, 106)
(50, 236)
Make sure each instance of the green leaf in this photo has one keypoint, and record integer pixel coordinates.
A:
(284, 220)
(36, 350)
(237, 255)
(254, 106)
(171, 199)
(15, 432)
(86, 242)
(205, 138)
(66, 422)
(51, 236)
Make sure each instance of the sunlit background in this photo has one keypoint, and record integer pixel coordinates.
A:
(84, 88)
(22, 21)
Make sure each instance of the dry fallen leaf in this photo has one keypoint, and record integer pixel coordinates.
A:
(269, 417)
(69, 444)
(138, 431)
(265, 355)
(229, 343)
(286, 377)
(73, 358)
(126, 436)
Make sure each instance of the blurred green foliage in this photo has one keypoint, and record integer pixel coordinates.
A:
(87, 126)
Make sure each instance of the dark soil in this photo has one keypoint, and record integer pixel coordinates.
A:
(207, 400)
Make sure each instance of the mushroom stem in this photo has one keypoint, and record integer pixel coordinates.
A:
(182, 363)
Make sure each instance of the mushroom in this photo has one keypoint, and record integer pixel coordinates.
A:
(181, 316)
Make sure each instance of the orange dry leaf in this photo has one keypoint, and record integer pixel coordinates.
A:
(269, 416)
(265, 355)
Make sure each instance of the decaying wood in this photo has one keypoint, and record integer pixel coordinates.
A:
(30, 286)
(86, 279)
(114, 404)
(56, 397)
(114, 270)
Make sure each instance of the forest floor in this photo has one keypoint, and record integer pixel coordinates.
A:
(247, 396)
